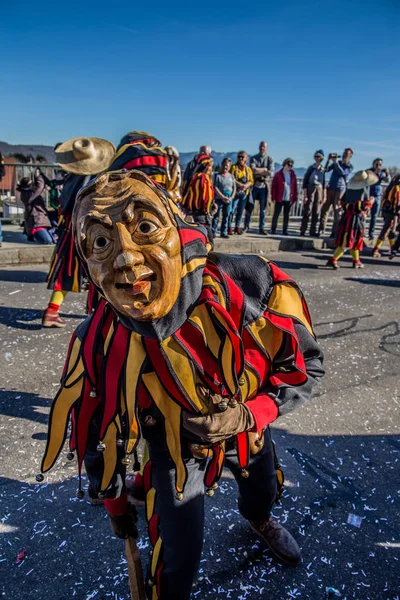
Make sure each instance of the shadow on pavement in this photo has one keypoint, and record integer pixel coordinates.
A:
(389, 341)
(371, 280)
(23, 276)
(287, 264)
(27, 318)
(24, 405)
(340, 504)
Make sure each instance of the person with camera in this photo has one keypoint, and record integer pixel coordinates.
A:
(340, 169)
(263, 169)
(313, 190)
(376, 192)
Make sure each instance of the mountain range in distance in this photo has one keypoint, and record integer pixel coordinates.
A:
(48, 154)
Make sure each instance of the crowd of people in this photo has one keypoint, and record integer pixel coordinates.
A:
(223, 197)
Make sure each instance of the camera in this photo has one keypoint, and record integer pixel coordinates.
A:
(335, 155)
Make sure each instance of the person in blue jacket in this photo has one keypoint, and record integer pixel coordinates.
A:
(341, 170)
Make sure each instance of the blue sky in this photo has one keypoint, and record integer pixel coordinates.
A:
(302, 74)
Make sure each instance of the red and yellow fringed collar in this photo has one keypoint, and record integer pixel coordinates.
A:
(228, 343)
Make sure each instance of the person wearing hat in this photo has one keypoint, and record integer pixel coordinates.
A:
(141, 150)
(341, 170)
(313, 190)
(196, 351)
(356, 202)
(81, 158)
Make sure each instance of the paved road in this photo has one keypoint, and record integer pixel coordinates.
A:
(340, 452)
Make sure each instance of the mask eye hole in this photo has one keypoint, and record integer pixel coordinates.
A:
(145, 227)
(101, 242)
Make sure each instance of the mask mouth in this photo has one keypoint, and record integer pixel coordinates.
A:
(141, 285)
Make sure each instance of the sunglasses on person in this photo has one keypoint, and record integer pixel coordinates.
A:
(241, 156)
(290, 164)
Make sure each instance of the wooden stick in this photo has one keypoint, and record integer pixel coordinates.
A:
(135, 571)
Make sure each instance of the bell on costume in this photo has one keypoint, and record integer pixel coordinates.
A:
(211, 490)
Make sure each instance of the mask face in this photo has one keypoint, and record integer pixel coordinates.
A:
(132, 248)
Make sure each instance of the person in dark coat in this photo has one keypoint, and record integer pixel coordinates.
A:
(313, 189)
(356, 203)
(37, 222)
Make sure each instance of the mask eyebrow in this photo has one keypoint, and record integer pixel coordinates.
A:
(90, 218)
(141, 202)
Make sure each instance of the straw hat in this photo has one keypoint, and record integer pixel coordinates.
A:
(362, 179)
(85, 155)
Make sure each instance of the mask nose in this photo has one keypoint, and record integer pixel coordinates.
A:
(127, 260)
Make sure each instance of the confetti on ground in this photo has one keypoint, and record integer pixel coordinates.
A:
(354, 520)
(20, 556)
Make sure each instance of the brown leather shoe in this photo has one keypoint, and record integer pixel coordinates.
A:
(280, 542)
(238, 231)
(230, 231)
(51, 318)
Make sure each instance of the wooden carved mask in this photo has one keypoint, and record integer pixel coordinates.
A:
(126, 233)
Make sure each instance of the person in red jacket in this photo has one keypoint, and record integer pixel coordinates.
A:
(284, 194)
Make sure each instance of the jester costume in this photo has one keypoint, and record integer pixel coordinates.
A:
(142, 151)
(356, 203)
(196, 351)
(390, 214)
(65, 271)
(198, 192)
